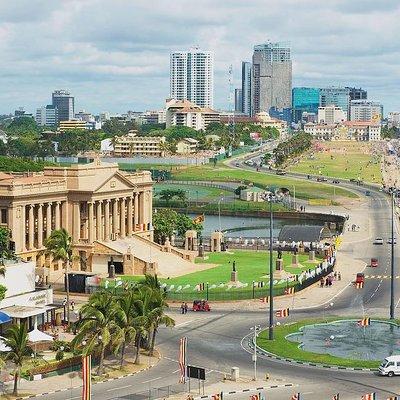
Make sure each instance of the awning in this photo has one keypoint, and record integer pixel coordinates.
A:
(39, 336)
(4, 318)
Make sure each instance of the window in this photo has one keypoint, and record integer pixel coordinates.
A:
(4, 216)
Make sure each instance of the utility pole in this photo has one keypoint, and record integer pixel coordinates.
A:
(271, 276)
(231, 118)
(255, 330)
(392, 261)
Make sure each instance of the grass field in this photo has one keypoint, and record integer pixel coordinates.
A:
(148, 167)
(345, 162)
(284, 348)
(304, 190)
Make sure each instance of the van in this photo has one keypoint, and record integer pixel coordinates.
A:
(390, 366)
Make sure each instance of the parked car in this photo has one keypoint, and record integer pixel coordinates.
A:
(390, 366)
(280, 172)
(390, 240)
(335, 181)
(321, 179)
(374, 262)
(378, 240)
(201, 305)
(237, 164)
(368, 193)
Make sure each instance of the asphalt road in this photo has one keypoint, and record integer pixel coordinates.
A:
(215, 340)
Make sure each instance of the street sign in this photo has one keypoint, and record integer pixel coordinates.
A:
(196, 372)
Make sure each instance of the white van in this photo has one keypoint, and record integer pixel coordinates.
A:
(390, 366)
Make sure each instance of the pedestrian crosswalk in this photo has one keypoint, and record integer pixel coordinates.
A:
(380, 277)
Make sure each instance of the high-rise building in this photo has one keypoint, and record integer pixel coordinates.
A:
(238, 100)
(192, 77)
(47, 116)
(272, 77)
(246, 88)
(304, 100)
(64, 102)
(357, 93)
(331, 115)
(336, 96)
(364, 110)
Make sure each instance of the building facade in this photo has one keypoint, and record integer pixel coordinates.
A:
(331, 115)
(238, 100)
(131, 145)
(357, 93)
(348, 130)
(73, 124)
(337, 96)
(96, 203)
(187, 146)
(394, 119)
(365, 110)
(272, 77)
(192, 77)
(65, 104)
(47, 116)
(186, 113)
(304, 100)
(246, 88)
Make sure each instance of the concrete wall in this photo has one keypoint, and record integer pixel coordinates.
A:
(19, 278)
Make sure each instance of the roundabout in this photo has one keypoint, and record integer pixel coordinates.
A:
(334, 342)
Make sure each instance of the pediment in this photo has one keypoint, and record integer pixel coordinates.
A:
(115, 183)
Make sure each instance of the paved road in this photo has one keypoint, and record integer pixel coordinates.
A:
(216, 341)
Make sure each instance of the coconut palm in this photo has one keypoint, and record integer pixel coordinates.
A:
(151, 281)
(16, 339)
(59, 246)
(126, 321)
(98, 327)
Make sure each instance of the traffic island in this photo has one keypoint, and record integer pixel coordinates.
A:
(333, 342)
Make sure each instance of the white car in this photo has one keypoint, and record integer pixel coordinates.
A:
(390, 366)
(378, 240)
(390, 240)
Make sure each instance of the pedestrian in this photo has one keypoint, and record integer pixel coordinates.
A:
(183, 308)
(72, 305)
(335, 275)
(321, 282)
(186, 308)
(326, 282)
(339, 276)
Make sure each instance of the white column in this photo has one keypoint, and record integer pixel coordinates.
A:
(31, 227)
(130, 215)
(122, 218)
(48, 220)
(107, 220)
(58, 215)
(40, 226)
(76, 228)
(99, 224)
(150, 207)
(91, 222)
(23, 228)
(115, 224)
(136, 211)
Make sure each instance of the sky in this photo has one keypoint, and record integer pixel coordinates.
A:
(113, 55)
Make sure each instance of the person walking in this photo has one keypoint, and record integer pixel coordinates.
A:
(186, 308)
(183, 308)
(339, 276)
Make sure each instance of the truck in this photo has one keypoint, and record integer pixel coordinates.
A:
(390, 366)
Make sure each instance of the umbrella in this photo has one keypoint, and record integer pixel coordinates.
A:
(3, 346)
(39, 336)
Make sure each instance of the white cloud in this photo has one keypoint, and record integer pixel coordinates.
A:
(115, 54)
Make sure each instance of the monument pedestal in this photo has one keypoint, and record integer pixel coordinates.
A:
(295, 259)
(311, 255)
(279, 264)
(234, 276)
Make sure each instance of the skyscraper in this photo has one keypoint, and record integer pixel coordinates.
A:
(238, 100)
(336, 96)
(357, 93)
(364, 110)
(64, 102)
(47, 116)
(246, 88)
(192, 77)
(304, 100)
(272, 77)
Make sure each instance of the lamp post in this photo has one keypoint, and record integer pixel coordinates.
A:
(255, 329)
(219, 212)
(392, 261)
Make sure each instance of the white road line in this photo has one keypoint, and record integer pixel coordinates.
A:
(152, 380)
(118, 388)
(184, 323)
(176, 371)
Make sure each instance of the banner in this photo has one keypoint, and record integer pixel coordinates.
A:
(87, 377)
(182, 359)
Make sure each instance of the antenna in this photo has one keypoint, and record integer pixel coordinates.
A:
(231, 114)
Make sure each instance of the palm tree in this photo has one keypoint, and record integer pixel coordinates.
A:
(126, 321)
(17, 340)
(98, 326)
(151, 281)
(59, 246)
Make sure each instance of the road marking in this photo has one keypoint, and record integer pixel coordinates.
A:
(118, 388)
(176, 371)
(151, 380)
(184, 323)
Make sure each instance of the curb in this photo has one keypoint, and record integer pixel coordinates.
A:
(246, 390)
(261, 351)
(93, 383)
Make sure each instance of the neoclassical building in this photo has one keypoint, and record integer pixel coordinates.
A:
(96, 203)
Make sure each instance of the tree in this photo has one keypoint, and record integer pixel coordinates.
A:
(5, 251)
(164, 223)
(98, 326)
(185, 223)
(168, 194)
(239, 189)
(22, 126)
(59, 246)
(115, 126)
(389, 133)
(16, 339)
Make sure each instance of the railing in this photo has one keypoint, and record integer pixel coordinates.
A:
(202, 183)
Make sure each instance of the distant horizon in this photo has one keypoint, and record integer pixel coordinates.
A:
(120, 61)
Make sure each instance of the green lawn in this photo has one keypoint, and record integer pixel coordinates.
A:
(345, 166)
(284, 348)
(304, 190)
(148, 167)
(195, 192)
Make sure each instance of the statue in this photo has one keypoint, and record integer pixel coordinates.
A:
(279, 254)
(234, 266)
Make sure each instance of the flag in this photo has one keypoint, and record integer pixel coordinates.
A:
(289, 290)
(364, 322)
(282, 313)
(296, 396)
(368, 396)
(359, 285)
(264, 299)
(87, 377)
(199, 219)
(335, 396)
(255, 397)
(182, 359)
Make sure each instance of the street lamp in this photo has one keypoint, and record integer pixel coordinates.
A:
(255, 329)
(392, 260)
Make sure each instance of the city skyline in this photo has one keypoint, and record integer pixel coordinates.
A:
(126, 48)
